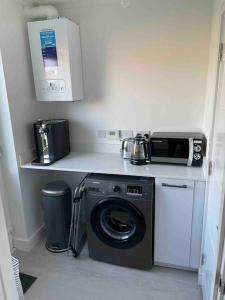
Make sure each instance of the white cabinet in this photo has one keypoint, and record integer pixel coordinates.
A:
(179, 206)
(173, 221)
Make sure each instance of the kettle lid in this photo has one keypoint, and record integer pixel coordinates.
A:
(141, 137)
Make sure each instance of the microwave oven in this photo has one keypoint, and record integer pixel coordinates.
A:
(184, 148)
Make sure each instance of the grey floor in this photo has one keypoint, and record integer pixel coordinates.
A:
(61, 277)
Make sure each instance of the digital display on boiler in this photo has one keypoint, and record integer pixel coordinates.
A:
(134, 190)
(48, 48)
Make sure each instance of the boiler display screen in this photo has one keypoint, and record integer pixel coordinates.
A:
(48, 48)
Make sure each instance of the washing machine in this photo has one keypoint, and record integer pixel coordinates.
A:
(120, 219)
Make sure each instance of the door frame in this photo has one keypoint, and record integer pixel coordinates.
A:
(221, 228)
(212, 85)
(8, 289)
(220, 263)
(7, 281)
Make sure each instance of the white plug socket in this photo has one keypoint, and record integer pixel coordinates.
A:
(124, 134)
(112, 135)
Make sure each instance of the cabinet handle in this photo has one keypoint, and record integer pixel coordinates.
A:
(184, 186)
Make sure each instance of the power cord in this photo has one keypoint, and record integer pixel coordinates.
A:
(77, 196)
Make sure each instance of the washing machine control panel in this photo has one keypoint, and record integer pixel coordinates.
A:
(120, 186)
(116, 189)
(134, 190)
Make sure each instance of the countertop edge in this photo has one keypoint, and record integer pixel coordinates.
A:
(119, 169)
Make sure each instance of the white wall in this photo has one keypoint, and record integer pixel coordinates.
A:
(145, 67)
(9, 185)
(212, 72)
(18, 106)
(19, 79)
(12, 195)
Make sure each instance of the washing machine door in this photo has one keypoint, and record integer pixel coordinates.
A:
(118, 223)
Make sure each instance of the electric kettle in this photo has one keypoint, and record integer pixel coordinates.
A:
(140, 153)
(127, 145)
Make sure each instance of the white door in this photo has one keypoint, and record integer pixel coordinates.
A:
(221, 279)
(216, 185)
(173, 221)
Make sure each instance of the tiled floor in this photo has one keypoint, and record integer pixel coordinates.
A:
(61, 277)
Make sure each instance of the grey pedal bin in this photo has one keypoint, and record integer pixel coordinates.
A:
(57, 203)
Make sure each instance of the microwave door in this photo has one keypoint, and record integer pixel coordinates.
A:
(173, 151)
(191, 152)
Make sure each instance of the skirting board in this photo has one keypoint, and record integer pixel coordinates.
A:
(156, 263)
(28, 245)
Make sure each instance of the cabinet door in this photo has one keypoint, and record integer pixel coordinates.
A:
(173, 221)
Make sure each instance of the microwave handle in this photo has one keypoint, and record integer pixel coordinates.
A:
(191, 152)
(184, 186)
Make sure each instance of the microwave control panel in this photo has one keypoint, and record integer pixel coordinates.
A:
(198, 153)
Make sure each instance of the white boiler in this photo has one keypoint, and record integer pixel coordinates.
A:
(56, 60)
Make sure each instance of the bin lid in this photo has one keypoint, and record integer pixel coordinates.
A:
(55, 188)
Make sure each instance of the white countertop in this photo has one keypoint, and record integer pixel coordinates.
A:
(106, 163)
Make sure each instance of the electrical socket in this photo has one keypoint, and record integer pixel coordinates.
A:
(112, 135)
(124, 134)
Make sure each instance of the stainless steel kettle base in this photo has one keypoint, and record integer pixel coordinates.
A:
(138, 162)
